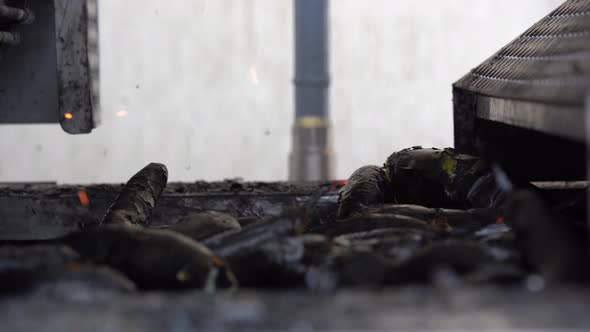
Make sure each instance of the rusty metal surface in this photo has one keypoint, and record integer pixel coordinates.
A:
(549, 63)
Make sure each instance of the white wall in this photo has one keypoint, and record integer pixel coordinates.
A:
(207, 86)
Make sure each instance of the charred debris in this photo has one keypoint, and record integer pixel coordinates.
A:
(427, 216)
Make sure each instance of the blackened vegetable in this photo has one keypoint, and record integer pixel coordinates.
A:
(138, 197)
(153, 259)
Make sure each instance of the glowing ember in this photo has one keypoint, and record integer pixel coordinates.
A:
(339, 184)
(254, 75)
(74, 267)
(500, 220)
(83, 197)
(121, 113)
(69, 116)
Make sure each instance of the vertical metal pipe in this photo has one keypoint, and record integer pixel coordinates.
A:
(310, 157)
(588, 164)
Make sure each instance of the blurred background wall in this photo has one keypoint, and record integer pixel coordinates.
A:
(205, 86)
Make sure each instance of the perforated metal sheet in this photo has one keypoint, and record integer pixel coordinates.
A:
(549, 63)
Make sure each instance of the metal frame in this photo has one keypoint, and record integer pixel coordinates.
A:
(559, 120)
(50, 73)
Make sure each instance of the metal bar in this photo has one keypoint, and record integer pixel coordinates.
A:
(563, 121)
(310, 158)
(311, 58)
(561, 185)
(78, 98)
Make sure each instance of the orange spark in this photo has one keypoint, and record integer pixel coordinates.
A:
(339, 184)
(73, 267)
(69, 116)
(121, 113)
(254, 75)
(83, 197)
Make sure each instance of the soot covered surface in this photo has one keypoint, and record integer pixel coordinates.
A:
(296, 266)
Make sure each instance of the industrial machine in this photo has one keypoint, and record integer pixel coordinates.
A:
(525, 106)
(49, 63)
(85, 255)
